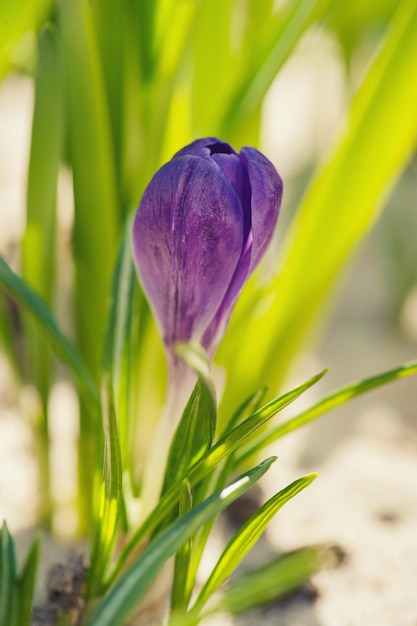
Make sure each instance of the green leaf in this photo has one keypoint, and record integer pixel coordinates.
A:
(116, 380)
(171, 26)
(215, 481)
(8, 575)
(27, 585)
(212, 79)
(118, 356)
(181, 591)
(38, 246)
(110, 24)
(109, 498)
(7, 334)
(16, 593)
(249, 406)
(234, 438)
(246, 537)
(97, 209)
(265, 56)
(63, 347)
(193, 436)
(328, 403)
(126, 594)
(355, 22)
(39, 240)
(206, 465)
(273, 581)
(270, 582)
(344, 199)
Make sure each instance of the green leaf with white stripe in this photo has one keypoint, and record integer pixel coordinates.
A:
(126, 594)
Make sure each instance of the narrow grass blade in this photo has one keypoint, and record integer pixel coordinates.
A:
(249, 406)
(63, 347)
(97, 209)
(7, 333)
(206, 465)
(181, 590)
(39, 240)
(116, 413)
(194, 435)
(118, 345)
(170, 28)
(128, 591)
(276, 38)
(216, 480)
(273, 581)
(329, 402)
(27, 585)
(110, 25)
(109, 499)
(8, 575)
(234, 438)
(246, 537)
(212, 78)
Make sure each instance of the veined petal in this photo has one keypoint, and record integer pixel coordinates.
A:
(260, 190)
(266, 194)
(187, 238)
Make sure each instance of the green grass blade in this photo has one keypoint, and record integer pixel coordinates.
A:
(340, 206)
(38, 247)
(181, 591)
(265, 56)
(109, 20)
(170, 28)
(126, 594)
(270, 582)
(109, 497)
(249, 406)
(206, 465)
(27, 585)
(273, 581)
(116, 414)
(117, 350)
(193, 436)
(212, 77)
(246, 537)
(8, 334)
(39, 241)
(63, 347)
(8, 575)
(328, 403)
(97, 211)
(234, 438)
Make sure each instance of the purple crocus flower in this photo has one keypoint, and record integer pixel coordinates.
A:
(202, 226)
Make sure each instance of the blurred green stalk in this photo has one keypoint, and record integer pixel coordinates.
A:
(39, 241)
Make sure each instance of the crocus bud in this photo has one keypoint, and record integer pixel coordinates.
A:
(202, 226)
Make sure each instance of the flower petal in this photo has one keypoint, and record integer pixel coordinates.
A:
(187, 238)
(266, 195)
